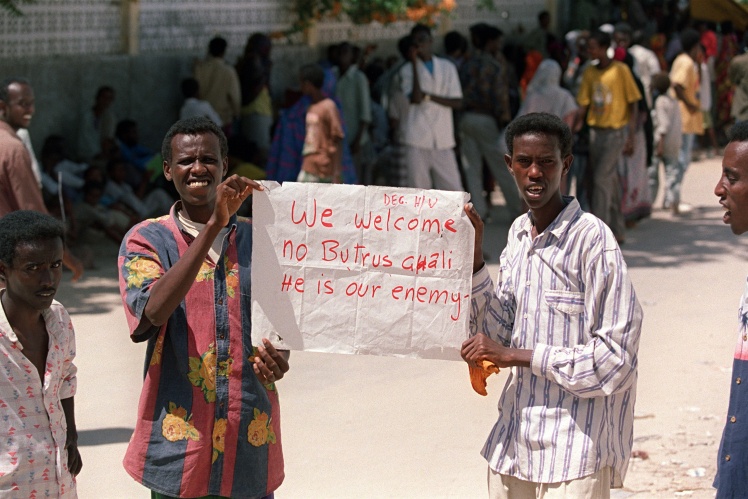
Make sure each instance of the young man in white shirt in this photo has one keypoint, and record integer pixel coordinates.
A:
(565, 319)
(433, 87)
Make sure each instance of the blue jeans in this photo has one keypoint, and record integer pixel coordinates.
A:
(672, 194)
(673, 180)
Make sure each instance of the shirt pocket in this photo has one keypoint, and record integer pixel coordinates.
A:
(568, 302)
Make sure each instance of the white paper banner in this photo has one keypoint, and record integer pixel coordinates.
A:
(364, 270)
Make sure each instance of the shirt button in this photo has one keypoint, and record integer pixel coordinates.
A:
(738, 381)
(727, 457)
(221, 336)
(745, 337)
(220, 301)
(733, 419)
(525, 316)
(527, 284)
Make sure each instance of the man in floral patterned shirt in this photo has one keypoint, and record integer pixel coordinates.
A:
(38, 449)
(208, 418)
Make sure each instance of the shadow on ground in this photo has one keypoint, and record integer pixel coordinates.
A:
(104, 436)
(697, 237)
(98, 291)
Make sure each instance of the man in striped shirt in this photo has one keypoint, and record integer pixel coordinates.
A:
(564, 317)
(732, 189)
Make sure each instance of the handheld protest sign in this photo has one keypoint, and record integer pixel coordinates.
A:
(365, 270)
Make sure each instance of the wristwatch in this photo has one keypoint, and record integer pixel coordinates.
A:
(426, 97)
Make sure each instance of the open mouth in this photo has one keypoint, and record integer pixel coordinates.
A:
(535, 190)
(197, 183)
(46, 294)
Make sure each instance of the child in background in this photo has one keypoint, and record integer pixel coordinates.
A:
(667, 141)
(322, 154)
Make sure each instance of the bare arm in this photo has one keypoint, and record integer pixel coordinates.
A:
(71, 443)
(680, 92)
(169, 291)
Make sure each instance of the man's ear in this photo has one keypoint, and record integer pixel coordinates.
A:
(568, 160)
(225, 167)
(3, 268)
(167, 171)
(508, 161)
(3, 108)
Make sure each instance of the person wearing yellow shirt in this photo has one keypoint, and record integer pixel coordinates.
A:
(684, 75)
(607, 98)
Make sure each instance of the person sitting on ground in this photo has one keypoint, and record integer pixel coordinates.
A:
(322, 154)
(38, 377)
(138, 157)
(56, 166)
(193, 105)
(94, 218)
(155, 203)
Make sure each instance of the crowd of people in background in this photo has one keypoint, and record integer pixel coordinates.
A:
(637, 94)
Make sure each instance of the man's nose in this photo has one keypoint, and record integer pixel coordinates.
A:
(719, 189)
(46, 277)
(535, 171)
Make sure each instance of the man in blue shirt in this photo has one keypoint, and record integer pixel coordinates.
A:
(732, 189)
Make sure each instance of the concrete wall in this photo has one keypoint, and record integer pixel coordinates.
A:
(147, 87)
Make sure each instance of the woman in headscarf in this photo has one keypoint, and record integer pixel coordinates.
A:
(546, 95)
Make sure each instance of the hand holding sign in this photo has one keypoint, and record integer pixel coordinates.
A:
(355, 269)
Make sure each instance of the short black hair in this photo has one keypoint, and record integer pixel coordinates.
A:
(102, 89)
(689, 38)
(313, 73)
(478, 35)
(193, 126)
(492, 33)
(6, 83)
(660, 82)
(190, 88)
(420, 28)
(403, 45)
(539, 123)
(454, 41)
(624, 28)
(601, 37)
(123, 127)
(217, 47)
(26, 226)
(739, 132)
(53, 145)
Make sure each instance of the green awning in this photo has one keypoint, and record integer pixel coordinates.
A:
(721, 10)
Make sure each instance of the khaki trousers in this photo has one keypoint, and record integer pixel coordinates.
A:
(595, 486)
